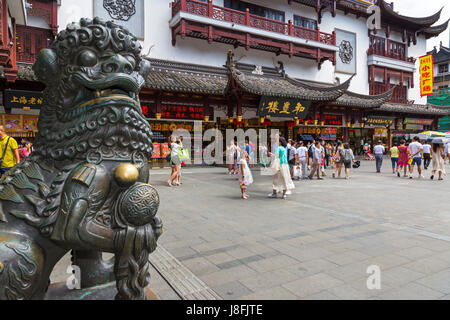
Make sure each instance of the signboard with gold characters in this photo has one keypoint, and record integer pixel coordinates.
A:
(426, 75)
(23, 99)
(283, 107)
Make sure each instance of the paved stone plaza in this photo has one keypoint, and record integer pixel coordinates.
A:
(317, 244)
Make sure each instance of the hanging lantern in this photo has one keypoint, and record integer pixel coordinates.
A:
(158, 116)
(348, 124)
(322, 123)
(361, 124)
(297, 121)
(305, 122)
(290, 124)
(353, 125)
(230, 120)
(206, 118)
(316, 122)
(239, 118)
(261, 120)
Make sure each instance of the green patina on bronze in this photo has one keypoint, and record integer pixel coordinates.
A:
(68, 195)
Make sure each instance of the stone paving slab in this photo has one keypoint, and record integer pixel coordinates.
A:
(317, 244)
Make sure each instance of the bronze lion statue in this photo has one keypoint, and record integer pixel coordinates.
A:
(84, 188)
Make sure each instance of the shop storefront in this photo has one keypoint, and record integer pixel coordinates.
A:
(22, 113)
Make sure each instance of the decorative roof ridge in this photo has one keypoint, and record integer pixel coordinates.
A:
(436, 30)
(341, 87)
(386, 95)
(177, 66)
(422, 21)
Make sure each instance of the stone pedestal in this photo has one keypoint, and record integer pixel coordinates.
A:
(108, 291)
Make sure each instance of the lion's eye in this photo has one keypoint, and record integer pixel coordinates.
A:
(87, 58)
(132, 61)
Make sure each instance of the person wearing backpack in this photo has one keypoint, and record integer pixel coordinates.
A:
(9, 152)
(349, 158)
(338, 159)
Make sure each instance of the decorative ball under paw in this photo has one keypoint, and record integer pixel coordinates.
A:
(139, 204)
(126, 174)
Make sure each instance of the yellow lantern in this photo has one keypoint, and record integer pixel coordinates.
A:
(316, 122)
(158, 116)
(239, 118)
(206, 118)
(361, 125)
(322, 123)
(297, 121)
(230, 120)
(348, 124)
(261, 120)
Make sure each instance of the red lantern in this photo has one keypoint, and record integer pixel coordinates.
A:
(267, 122)
(290, 124)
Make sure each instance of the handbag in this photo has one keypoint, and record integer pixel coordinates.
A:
(4, 152)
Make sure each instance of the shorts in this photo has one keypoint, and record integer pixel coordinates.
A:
(394, 162)
(347, 164)
(417, 161)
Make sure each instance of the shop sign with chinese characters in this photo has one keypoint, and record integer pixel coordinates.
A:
(23, 99)
(426, 75)
(379, 121)
(282, 107)
(180, 112)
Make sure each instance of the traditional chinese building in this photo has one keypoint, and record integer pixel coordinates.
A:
(441, 89)
(311, 69)
(21, 94)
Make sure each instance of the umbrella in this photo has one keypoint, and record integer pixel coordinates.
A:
(433, 133)
(439, 140)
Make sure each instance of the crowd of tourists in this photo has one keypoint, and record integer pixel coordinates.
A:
(295, 160)
(11, 152)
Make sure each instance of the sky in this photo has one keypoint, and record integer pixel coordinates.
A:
(417, 8)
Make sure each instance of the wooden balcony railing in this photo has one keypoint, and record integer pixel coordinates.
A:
(400, 94)
(388, 48)
(29, 41)
(207, 9)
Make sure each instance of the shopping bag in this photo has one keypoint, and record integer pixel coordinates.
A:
(297, 172)
(272, 169)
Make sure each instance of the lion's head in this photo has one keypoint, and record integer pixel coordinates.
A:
(92, 59)
(93, 74)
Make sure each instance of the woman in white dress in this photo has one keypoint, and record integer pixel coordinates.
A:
(246, 177)
(232, 157)
(438, 161)
(282, 179)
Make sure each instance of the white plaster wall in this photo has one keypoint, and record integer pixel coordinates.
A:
(73, 10)
(417, 51)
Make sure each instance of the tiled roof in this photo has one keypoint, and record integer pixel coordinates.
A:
(280, 85)
(415, 108)
(389, 14)
(181, 77)
(436, 30)
(351, 99)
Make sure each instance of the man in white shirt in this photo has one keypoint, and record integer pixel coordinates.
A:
(302, 154)
(291, 151)
(317, 161)
(416, 149)
(426, 155)
(379, 153)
